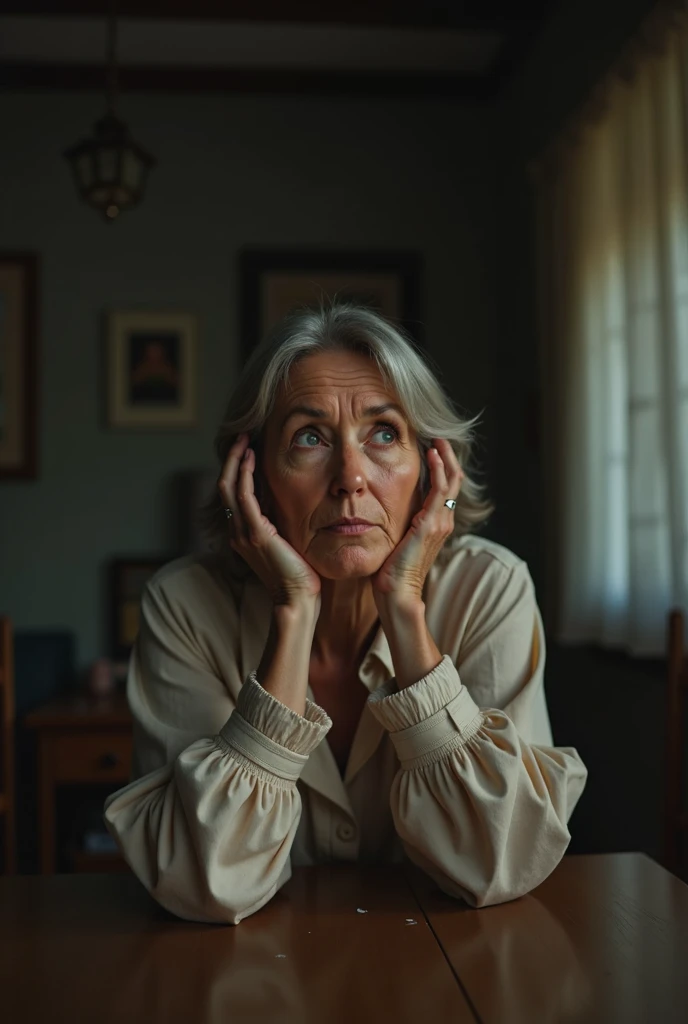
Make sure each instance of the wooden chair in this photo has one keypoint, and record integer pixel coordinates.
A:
(7, 805)
(676, 812)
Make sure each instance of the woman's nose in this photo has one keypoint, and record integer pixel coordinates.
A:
(349, 471)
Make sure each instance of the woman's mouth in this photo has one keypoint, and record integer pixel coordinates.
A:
(350, 528)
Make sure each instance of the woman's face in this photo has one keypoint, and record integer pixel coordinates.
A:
(346, 463)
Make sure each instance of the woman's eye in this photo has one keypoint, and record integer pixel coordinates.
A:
(380, 428)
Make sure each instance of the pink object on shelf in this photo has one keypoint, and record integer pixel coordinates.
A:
(100, 678)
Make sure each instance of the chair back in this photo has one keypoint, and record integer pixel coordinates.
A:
(7, 800)
(676, 811)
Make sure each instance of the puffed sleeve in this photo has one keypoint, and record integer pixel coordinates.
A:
(482, 799)
(208, 828)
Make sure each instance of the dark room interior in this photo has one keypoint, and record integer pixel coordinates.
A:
(446, 164)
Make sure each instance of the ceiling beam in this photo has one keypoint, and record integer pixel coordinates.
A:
(504, 16)
(91, 78)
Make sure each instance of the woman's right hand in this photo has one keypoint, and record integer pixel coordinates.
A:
(289, 578)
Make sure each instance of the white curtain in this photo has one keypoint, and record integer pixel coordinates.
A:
(613, 255)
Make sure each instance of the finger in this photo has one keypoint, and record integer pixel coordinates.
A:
(227, 481)
(246, 497)
(452, 470)
(438, 476)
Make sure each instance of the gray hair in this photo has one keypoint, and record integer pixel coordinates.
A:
(405, 372)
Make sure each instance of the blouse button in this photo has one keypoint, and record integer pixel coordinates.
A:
(345, 831)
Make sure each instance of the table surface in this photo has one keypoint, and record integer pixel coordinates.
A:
(603, 939)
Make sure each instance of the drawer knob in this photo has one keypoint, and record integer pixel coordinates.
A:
(109, 761)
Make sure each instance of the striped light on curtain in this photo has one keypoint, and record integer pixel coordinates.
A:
(613, 286)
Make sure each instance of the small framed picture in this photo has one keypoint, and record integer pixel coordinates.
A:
(128, 577)
(274, 282)
(18, 365)
(152, 369)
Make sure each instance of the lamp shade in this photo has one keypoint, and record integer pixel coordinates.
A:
(110, 169)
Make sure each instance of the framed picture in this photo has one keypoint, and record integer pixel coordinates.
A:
(18, 365)
(152, 369)
(273, 282)
(128, 577)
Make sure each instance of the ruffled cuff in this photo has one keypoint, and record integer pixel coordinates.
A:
(270, 734)
(428, 719)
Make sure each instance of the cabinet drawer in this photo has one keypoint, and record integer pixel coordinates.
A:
(93, 758)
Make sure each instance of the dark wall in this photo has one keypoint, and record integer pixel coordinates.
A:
(612, 709)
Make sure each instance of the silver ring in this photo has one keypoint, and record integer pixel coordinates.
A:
(450, 503)
(229, 513)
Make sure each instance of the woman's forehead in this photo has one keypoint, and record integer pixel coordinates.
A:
(334, 376)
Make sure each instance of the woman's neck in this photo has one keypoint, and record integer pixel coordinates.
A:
(347, 623)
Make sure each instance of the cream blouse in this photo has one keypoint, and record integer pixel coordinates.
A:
(457, 772)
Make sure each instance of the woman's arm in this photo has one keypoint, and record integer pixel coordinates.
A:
(482, 798)
(208, 828)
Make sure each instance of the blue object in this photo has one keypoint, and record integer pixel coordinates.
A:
(44, 666)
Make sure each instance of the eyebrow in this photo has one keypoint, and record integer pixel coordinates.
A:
(321, 414)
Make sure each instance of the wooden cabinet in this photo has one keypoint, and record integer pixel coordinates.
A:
(80, 740)
(99, 757)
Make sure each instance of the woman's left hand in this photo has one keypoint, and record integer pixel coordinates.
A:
(401, 577)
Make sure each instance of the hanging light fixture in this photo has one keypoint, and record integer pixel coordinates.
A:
(110, 169)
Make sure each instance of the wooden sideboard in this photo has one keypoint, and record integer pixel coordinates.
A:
(80, 739)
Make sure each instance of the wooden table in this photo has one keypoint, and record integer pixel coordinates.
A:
(604, 939)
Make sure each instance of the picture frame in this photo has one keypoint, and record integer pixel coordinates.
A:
(128, 577)
(273, 281)
(18, 365)
(152, 369)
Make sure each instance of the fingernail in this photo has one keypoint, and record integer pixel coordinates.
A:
(247, 453)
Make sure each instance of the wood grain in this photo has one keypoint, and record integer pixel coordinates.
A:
(84, 948)
(603, 940)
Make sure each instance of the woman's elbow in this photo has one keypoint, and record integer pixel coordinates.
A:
(512, 876)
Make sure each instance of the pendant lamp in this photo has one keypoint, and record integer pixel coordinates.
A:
(110, 169)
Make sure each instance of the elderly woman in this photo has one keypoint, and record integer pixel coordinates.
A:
(351, 674)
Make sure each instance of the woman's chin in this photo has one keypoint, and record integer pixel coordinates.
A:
(348, 562)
